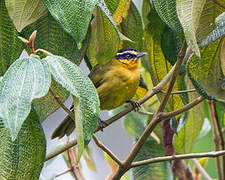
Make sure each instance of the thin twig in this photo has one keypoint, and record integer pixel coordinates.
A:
(105, 149)
(219, 131)
(215, 138)
(66, 171)
(181, 92)
(201, 169)
(181, 156)
(183, 55)
(61, 104)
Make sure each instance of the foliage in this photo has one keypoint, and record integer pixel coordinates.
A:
(170, 31)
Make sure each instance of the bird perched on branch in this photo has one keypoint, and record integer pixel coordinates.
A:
(116, 83)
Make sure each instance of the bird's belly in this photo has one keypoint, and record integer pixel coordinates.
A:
(117, 95)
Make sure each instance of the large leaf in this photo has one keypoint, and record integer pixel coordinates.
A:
(25, 80)
(167, 12)
(186, 136)
(54, 39)
(73, 16)
(132, 28)
(24, 157)
(25, 12)
(112, 5)
(104, 41)
(79, 85)
(189, 13)
(10, 46)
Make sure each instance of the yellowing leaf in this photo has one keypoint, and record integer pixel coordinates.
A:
(121, 11)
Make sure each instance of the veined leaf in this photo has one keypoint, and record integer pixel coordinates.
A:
(112, 5)
(73, 16)
(132, 28)
(189, 13)
(24, 157)
(25, 80)
(52, 37)
(10, 46)
(167, 12)
(79, 85)
(184, 140)
(104, 41)
(25, 12)
(79, 127)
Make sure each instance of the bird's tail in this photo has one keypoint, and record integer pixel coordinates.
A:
(66, 127)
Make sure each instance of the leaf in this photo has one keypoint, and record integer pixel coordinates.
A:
(184, 140)
(25, 12)
(112, 5)
(79, 127)
(132, 28)
(25, 80)
(79, 85)
(166, 10)
(207, 77)
(73, 16)
(189, 13)
(104, 41)
(52, 37)
(24, 157)
(10, 47)
(89, 159)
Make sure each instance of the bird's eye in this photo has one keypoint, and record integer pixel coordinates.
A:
(128, 56)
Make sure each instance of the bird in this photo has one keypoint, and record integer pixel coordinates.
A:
(116, 83)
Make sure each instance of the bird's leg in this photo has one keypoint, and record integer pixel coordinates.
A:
(101, 124)
(136, 105)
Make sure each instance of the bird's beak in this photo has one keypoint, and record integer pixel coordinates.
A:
(141, 54)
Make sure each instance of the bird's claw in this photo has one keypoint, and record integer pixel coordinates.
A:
(136, 105)
(102, 124)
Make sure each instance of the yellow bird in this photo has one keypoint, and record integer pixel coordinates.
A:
(116, 83)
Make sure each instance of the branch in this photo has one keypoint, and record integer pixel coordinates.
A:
(183, 55)
(201, 169)
(181, 156)
(105, 149)
(181, 92)
(215, 137)
(61, 104)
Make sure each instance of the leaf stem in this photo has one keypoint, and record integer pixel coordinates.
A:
(106, 150)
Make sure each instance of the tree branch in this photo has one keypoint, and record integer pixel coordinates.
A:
(181, 92)
(201, 169)
(106, 150)
(181, 156)
(215, 137)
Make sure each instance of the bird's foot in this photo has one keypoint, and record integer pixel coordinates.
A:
(101, 124)
(136, 105)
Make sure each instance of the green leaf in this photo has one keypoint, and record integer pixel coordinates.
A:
(73, 16)
(132, 28)
(167, 12)
(112, 5)
(207, 77)
(189, 13)
(52, 37)
(104, 41)
(184, 140)
(25, 12)
(10, 47)
(79, 85)
(79, 127)
(24, 157)
(25, 80)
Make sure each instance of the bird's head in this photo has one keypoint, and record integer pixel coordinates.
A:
(129, 56)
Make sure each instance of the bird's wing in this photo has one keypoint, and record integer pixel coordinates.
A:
(96, 75)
